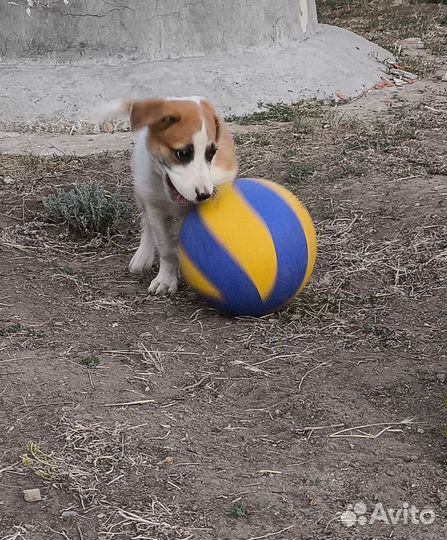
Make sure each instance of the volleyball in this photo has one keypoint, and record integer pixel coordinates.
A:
(250, 249)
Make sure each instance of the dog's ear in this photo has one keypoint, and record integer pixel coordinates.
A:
(213, 121)
(155, 113)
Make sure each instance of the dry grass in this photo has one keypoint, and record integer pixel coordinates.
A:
(32, 168)
(91, 457)
(385, 22)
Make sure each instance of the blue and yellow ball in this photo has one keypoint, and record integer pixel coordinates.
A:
(250, 249)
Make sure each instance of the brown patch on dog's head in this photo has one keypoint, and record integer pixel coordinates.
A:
(172, 124)
(153, 113)
(218, 133)
(211, 121)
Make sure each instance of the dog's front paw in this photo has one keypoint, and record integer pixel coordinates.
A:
(142, 260)
(163, 284)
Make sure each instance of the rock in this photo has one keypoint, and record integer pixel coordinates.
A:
(402, 74)
(441, 377)
(68, 514)
(410, 44)
(444, 77)
(341, 98)
(32, 495)
(107, 127)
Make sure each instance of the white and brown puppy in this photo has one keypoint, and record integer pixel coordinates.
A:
(182, 152)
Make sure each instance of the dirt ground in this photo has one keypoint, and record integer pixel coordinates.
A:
(244, 428)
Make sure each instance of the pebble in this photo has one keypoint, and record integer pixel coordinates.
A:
(442, 499)
(107, 127)
(412, 44)
(441, 377)
(67, 514)
(32, 495)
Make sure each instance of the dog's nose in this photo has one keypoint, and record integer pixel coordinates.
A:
(202, 196)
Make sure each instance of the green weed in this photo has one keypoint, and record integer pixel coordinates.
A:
(42, 464)
(258, 139)
(237, 510)
(18, 329)
(299, 172)
(90, 361)
(271, 112)
(302, 114)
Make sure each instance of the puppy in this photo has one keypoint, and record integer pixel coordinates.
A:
(183, 150)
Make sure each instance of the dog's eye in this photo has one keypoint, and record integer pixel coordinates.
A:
(210, 151)
(185, 154)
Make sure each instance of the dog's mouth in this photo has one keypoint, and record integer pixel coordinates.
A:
(176, 197)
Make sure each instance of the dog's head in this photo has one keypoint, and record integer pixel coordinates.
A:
(190, 143)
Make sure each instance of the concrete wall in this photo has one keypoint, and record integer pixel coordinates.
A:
(149, 29)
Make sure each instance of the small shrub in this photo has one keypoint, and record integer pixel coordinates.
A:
(15, 328)
(298, 172)
(18, 329)
(352, 169)
(90, 361)
(89, 209)
(237, 510)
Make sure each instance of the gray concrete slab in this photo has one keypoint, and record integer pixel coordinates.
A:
(54, 95)
(368, 105)
(60, 144)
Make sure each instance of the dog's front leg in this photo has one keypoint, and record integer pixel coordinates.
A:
(144, 256)
(166, 231)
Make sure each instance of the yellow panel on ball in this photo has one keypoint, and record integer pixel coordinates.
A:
(250, 249)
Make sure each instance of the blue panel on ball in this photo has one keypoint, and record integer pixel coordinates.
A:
(288, 237)
(240, 295)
